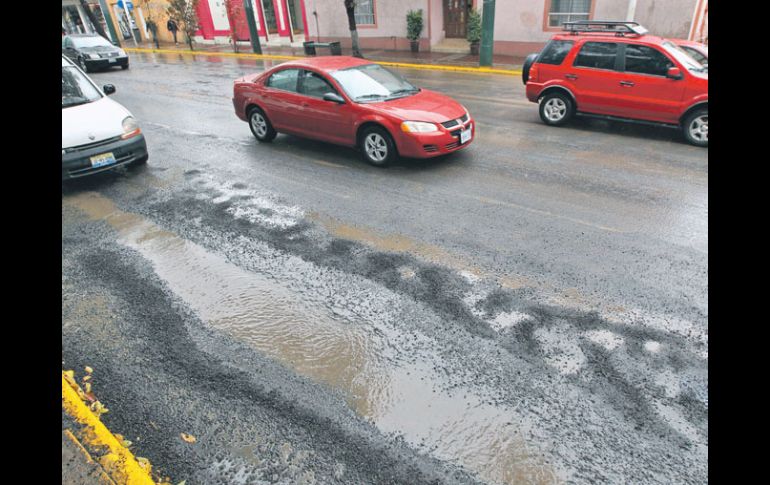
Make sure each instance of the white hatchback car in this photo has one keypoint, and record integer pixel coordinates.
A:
(97, 133)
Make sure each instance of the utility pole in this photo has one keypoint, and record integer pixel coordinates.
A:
(487, 33)
(253, 33)
(631, 11)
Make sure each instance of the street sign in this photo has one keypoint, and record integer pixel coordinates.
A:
(130, 5)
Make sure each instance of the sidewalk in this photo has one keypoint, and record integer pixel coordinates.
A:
(435, 58)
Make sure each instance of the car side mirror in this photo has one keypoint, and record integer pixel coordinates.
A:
(674, 73)
(334, 97)
(108, 89)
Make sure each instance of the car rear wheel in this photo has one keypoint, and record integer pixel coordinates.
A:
(377, 146)
(696, 127)
(556, 108)
(260, 126)
(530, 59)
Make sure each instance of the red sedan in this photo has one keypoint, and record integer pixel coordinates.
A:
(352, 102)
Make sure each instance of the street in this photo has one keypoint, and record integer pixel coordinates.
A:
(532, 309)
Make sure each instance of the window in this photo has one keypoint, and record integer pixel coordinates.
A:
(561, 11)
(646, 60)
(285, 80)
(555, 52)
(696, 55)
(372, 82)
(364, 11)
(597, 55)
(315, 85)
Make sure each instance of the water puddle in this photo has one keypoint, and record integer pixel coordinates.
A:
(374, 368)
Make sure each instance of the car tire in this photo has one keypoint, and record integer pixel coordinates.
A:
(124, 67)
(82, 64)
(530, 59)
(260, 126)
(556, 108)
(696, 127)
(377, 146)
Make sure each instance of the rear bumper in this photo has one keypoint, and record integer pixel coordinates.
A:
(77, 162)
(533, 90)
(428, 145)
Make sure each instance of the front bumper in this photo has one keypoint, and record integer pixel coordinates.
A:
(76, 162)
(437, 143)
(104, 62)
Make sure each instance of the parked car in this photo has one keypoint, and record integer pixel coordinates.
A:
(92, 51)
(614, 70)
(698, 51)
(97, 133)
(352, 102)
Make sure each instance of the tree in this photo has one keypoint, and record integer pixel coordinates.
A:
(186, 16)
(350, 8)
(234, 10)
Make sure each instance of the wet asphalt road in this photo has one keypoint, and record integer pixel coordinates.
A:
(532, 309)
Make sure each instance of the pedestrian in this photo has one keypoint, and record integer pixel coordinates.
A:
(172, 27)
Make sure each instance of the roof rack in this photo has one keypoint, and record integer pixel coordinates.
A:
(619, 28)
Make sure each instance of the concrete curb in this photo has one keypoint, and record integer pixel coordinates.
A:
(117, 461)
(431, 67)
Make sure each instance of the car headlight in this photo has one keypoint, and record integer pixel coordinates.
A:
(418, 127)
(93, 56)
(130, 127)
(121, 53)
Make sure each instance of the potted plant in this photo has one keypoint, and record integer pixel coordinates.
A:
(414, 28)
(474, 31)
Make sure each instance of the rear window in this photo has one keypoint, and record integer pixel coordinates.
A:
(597, 55)
(555, 52)
(285, 80)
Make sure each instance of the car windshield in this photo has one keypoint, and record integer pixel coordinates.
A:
(683, 57)
(91, 41)
(372, 82)
(76, 89)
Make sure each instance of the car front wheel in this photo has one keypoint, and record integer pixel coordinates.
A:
(696, 127)
(260, 126)
(82, 64)
(377, 146)
(556, 109)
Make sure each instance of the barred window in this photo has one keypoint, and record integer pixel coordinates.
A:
(364, 12)
(568, 11)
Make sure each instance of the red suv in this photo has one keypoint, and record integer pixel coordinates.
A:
(613, 70)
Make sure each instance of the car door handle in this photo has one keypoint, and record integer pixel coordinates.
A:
(571, 76)
(626, 83)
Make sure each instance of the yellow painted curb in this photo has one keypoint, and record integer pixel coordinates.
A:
(118, 462)
(432, 67)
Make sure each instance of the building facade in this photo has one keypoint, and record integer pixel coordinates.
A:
(521, 26)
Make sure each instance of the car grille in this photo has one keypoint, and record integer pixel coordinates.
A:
(453, 145)
(430, 148)
(109, 54)
(453, 123)
(95, 144)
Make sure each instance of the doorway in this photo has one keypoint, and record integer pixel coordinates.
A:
(456, 18)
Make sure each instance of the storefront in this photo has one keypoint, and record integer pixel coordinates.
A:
(279, 22)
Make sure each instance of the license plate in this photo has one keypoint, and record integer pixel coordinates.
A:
(113, 60)
(465, 135)
(103, 159)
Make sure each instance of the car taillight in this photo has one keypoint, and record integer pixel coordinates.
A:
(532, 73)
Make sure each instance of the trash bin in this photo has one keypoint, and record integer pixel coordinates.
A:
(335, 48)
(309, 48)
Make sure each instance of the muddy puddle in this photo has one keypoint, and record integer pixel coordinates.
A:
(379, 376)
